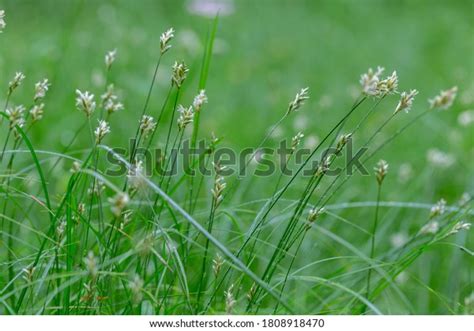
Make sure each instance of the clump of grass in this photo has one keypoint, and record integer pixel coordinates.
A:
(154, 243)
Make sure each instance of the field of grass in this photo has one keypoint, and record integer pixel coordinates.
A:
(77, 239)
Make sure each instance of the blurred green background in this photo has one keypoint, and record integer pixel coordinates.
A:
(265, 52)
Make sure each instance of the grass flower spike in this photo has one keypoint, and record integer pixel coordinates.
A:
(165, 38)
(445, 99)
(17, 80)
(299, 100)
(85, 102)
(180, 72)
(381, 171)
(186, 116)
(147, 125)
(101, 131)
(2, 20)
(118, 203)
(36, 112)
(15, 115)
(41, 88)
(406, 101)
(370, 82)
(296, 140)
(110, 58)
(199, 100)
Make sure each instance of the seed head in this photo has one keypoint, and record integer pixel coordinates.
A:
(110, 58)
(85, 102)
(118, 203)
(324, 165)
(41, 88)
(406, 101)
(102, 129)
(199, 100)
(180, 72)
(217, 264)
(371, 82)
(219, 186)
(36, 112)
(430, 228)
(165, 38)
(17, 80)
(438, 209)
(186, 116)
(2, 20)
(28, 274)
(229, 299)
(135, 175)
(460, 226)
(313, 214)
(391, 83)
(136, 286)
(109, 101)
(15, 115)
(296, 140)
(299, 100)
(445, 99)
(343, 139)
(147, 125)
(91, 264)
(381, 171)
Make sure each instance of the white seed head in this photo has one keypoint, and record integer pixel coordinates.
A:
(17, 80)
(186, 116)
(342, 141)
(110, 58)
(109, 101)
(460, 226)
(296, 140)
(2, 20)
(391, 83)
(199, 100)
(217, 264)
(28, 273)
(180, 72)
(438, 209)
(218, 189)
(371, 82)
(229, 299)
(91, 264)
(147, 125)
(101, 131)
(15, 116)
(165, 38)
(299, 100)
(445, 99)
(118, 203)
(41, 88)
(85, 102)
(36, 112)
(439, 158)
(430, 228)
(135, 174)
(381, 171)
(136, 286)
(406, 101)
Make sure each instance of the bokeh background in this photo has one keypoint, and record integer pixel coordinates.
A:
(265, 51)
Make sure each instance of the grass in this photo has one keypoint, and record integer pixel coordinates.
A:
(76, 239)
